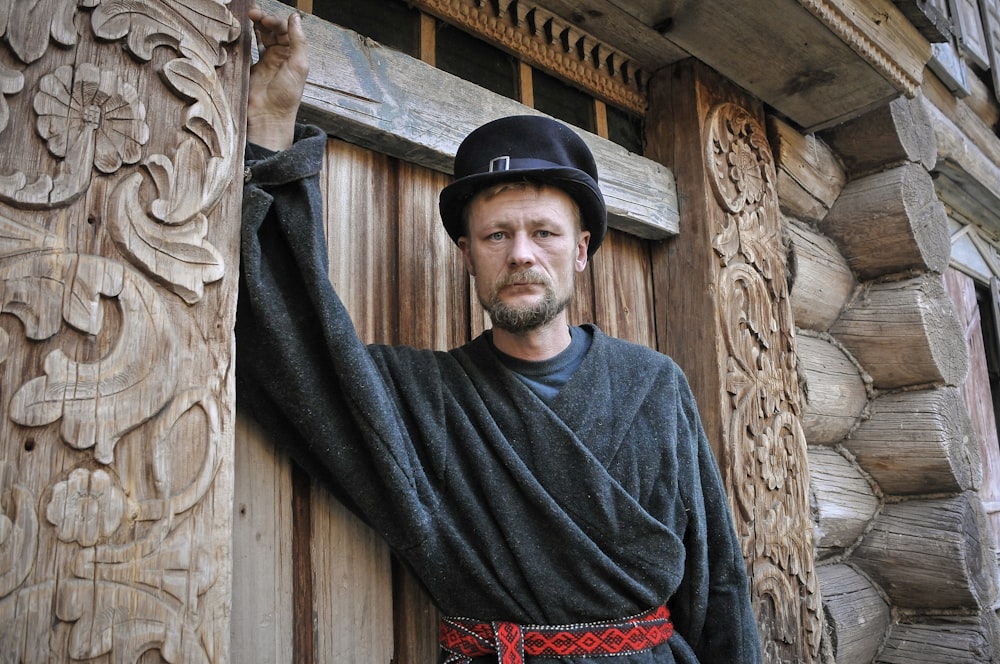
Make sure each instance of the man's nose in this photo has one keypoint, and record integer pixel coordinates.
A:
(522, 250)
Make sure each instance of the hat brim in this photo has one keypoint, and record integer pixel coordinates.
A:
(578, 185)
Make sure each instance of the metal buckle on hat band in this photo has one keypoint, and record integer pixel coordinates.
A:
(500, 164)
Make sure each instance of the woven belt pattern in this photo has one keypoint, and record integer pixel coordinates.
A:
(464, 639)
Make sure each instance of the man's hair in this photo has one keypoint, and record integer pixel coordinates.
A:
(515, 185)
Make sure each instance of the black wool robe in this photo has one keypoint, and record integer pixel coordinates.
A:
(600, 507)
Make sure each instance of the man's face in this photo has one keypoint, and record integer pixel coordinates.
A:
(524, 246)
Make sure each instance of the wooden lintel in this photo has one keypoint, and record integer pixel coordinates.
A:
(384, 100)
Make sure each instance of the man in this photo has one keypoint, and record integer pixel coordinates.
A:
(549, 483)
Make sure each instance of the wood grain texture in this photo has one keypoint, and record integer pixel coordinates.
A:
(121, 160)
(834, 394)
(843, 502)
(891, 222)
(919, 442)
(820, 281)
(905, 333)
(932, 554)
(857, 616)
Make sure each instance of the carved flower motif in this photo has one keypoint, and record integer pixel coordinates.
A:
(87, 109)
(86, 507)
(744, 166)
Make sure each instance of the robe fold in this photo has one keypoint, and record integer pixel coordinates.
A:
(601, 506)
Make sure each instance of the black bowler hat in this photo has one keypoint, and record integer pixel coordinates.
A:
(525, 147)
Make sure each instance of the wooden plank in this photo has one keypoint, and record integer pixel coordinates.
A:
(262, 550)
(434, 314)
(351, 566)
(352, 587)
(968, 156)
(623, 293)
(397, 105)
(714, 284)
(823, 62)
(359, 200)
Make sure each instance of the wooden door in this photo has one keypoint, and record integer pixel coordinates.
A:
(976, 390)
(322, 585)
(121, 129)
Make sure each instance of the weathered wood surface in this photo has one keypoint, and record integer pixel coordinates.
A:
(857, 616)
(977, 391)
(262, 549)
(968, 165)
(943, 640)
(905, 333)
(810, 176)
(820, 280)
(889, 223)
(834, 394)
(623, 293)
(919, 442)
(932, 554)
(896, 133)
(378, 98)
(843, 502)
(723, 301)
(121, 150)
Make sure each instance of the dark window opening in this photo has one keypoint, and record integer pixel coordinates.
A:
(625, 129)
(392, 23)
(563, 101)
(473, 60)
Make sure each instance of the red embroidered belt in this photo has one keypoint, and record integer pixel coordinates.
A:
(464, 639)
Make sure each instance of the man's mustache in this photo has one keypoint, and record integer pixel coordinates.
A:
(524, 277)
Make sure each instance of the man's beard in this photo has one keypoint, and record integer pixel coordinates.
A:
(525, 318)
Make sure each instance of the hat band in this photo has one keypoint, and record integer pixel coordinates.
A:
(506, 163)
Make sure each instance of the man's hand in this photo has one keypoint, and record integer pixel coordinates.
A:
(277, 79)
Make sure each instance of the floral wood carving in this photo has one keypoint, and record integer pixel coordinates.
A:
(766, 476)
(114, 358)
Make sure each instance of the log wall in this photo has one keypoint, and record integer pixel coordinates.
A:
(902, 535)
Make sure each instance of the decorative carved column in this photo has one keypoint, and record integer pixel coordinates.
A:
(724, 315)
(119, 201)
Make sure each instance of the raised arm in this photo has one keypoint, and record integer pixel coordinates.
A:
(277, 79)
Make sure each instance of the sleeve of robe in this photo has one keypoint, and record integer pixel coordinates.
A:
(714, 591)
(288, 373)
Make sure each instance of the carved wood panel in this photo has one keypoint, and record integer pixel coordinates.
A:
(765, 450)
(119, 151)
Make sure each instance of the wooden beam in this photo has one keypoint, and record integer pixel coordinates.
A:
(823, 62)
(386, 101)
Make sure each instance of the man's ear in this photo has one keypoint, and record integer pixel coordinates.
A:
(463, 246)
(582, 244)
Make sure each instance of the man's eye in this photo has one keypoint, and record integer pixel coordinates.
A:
(544, 233)
(496, 236)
